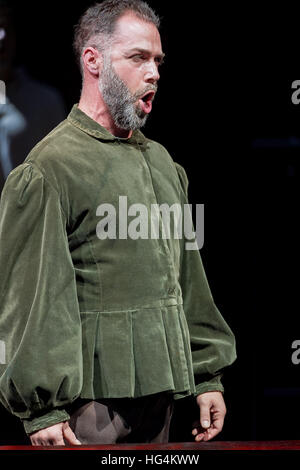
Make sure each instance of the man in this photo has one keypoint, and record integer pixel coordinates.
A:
(103, 332)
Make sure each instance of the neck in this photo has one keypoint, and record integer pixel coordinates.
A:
(92, 104)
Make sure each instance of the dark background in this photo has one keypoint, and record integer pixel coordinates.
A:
(224, 112)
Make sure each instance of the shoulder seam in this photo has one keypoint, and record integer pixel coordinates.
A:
(34, 164)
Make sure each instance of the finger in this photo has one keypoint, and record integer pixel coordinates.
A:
(210, 434)
(195, 426)
(205, 415)
(37, 442)
(198, 430)
(59, 442)
(70, 436)
(198, 433)
(200, 437)
(218, 423)
(215, 428)
(46, 443)
(41, 443)
(56, 441)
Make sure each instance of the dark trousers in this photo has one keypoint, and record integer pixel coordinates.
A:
(119, 420)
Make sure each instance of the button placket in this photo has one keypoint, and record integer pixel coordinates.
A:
(161, 241)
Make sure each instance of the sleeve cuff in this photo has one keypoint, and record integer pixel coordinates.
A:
(213, 385)
(44, 421)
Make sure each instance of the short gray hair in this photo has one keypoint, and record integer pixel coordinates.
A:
(97, 25)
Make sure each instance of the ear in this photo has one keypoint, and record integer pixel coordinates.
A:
(92, 60)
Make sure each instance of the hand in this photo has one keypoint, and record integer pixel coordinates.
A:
(212, 414)
(54, 436)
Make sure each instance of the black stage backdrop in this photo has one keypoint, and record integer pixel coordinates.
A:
(225, 112)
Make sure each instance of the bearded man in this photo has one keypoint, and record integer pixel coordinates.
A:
(103, 333)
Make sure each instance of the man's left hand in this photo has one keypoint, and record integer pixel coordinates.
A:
(212, 414)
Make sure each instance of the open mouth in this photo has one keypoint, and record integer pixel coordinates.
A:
(146, 101)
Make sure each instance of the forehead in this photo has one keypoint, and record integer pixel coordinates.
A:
(132, 32)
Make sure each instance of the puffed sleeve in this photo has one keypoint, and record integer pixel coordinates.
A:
(40, 328)
(212, 341)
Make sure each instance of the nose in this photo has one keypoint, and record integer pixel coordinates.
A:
(152, 75)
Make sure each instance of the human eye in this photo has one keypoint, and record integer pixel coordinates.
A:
(159, 61)
(137, 57)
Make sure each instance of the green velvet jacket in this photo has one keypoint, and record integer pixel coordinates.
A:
(87, 317)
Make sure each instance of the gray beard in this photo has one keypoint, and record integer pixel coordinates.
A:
(120, 101)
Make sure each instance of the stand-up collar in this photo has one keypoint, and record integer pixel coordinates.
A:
(81, 120)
